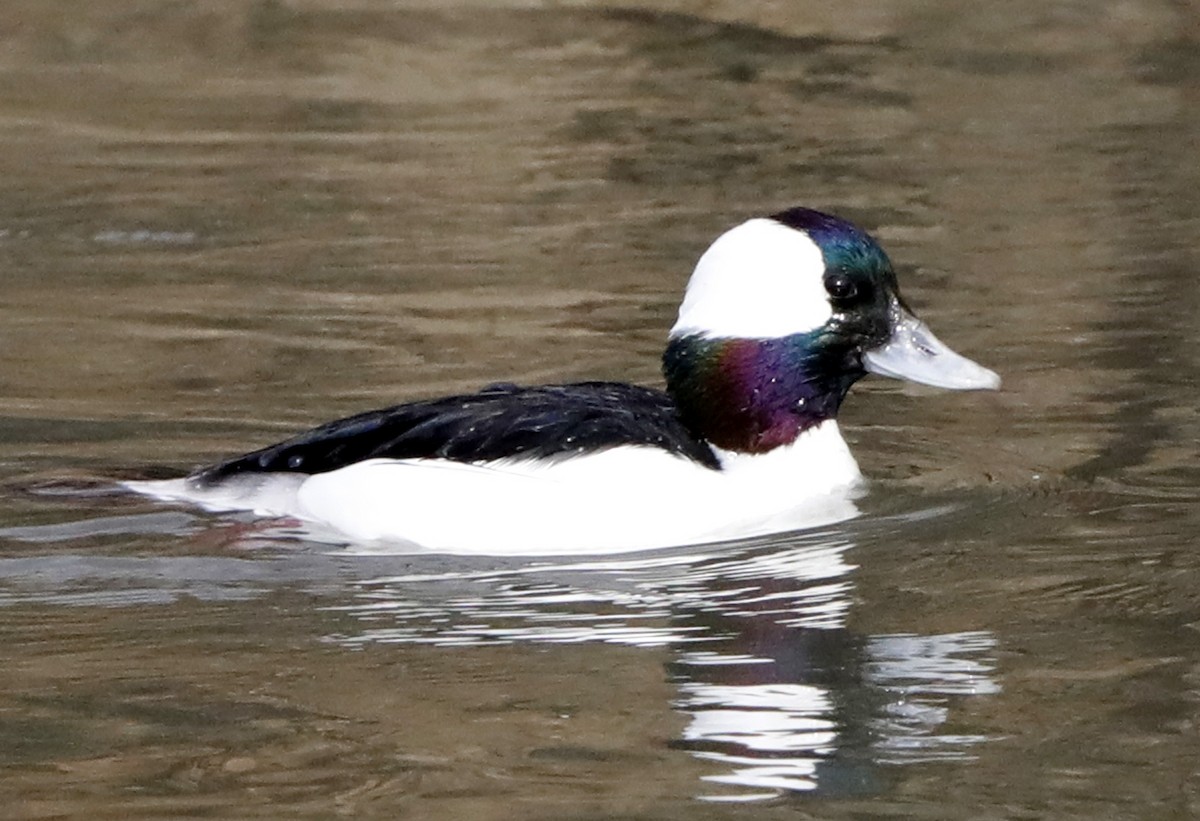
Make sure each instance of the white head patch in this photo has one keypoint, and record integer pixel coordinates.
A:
(758, 280)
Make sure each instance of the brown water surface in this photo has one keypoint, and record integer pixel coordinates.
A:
(221, 222)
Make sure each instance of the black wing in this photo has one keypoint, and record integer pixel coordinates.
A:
(501, 421)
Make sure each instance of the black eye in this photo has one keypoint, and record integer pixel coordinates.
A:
(840, 286)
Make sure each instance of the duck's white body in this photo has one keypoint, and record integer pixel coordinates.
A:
(780, 317)
(606, 502)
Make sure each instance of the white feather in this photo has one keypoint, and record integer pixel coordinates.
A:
(622, 499)
(759, 280)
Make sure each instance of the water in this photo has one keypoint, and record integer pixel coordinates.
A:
(222, 222)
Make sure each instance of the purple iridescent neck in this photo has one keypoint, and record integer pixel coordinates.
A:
(754, 395)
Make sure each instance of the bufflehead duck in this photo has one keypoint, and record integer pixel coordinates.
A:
(781, 316)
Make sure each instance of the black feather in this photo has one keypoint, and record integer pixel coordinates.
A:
(502, 421)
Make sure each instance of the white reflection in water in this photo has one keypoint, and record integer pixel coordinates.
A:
(781, 696)
(781, 735)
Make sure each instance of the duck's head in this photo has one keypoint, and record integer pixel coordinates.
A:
(781, 316)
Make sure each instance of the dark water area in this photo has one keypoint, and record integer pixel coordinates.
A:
(222, 222)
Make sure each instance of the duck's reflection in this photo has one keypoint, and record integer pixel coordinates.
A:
(825, 706)
(781, 695)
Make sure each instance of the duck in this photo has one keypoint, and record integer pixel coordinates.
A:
(781, 316)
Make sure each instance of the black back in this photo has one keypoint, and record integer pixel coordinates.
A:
(500, 422)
